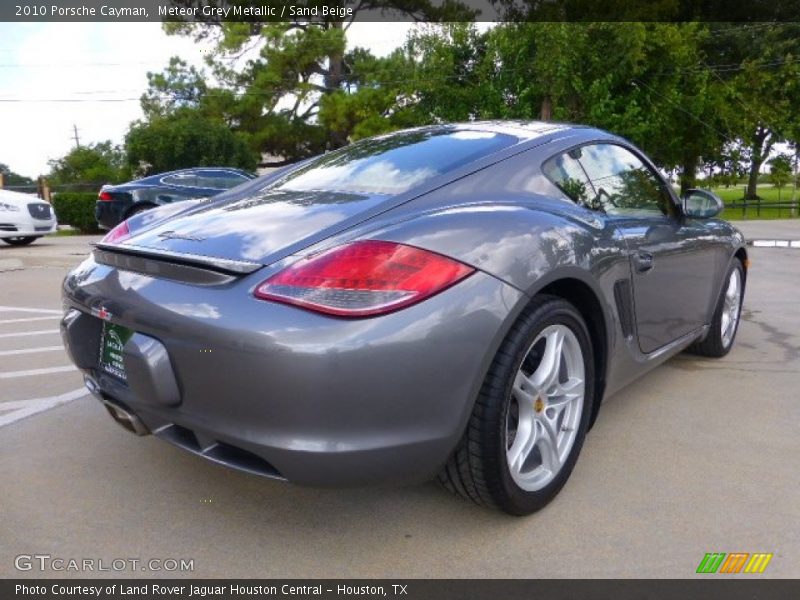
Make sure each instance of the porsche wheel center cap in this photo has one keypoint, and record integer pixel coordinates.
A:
(538, 405)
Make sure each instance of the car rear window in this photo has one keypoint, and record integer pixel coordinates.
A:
(188, 178)
(394, 163)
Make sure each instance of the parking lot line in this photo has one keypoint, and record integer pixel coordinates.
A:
(26, 333)
(25, 408)
(29, 319)
(30, 310)
(30, 350)
(34, 372)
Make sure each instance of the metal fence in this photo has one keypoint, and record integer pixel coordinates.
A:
(753, 207)
(45, 191)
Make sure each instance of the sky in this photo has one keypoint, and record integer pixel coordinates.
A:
(97, 71)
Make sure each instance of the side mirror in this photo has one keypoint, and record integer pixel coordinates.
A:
(701, 204)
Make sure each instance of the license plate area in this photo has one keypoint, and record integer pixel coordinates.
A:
(112, 340)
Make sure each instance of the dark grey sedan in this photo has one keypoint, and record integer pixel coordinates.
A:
(115, 203)
(452, 301)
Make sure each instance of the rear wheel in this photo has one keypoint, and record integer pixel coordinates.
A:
(725, 322)
(21, 241)
(532, 414)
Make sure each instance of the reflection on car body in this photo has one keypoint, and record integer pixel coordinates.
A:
(115, 203)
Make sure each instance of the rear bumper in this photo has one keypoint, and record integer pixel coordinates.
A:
(281, 392)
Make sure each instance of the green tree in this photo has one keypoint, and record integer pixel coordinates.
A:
(93, 164)
(640, 80)
(289, 96)
(179, 85)
(185, 138)
(446, 76)
(758, 69)
(377, 99)
(10, 178)
(780, 171)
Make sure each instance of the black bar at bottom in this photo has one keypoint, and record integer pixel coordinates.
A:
(705, 587)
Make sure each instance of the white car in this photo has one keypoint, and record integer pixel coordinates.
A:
(23, 218)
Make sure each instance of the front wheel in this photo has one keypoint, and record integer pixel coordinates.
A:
(21, 241)
(529, 422)
(725, 322)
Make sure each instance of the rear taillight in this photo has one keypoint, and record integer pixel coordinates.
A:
(104, 196)
(119, 234)
(363, 278)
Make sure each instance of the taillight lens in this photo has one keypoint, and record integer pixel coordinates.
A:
(104, 196)
(363, 278)
(119, 234)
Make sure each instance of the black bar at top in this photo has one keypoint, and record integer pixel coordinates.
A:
(729, 11)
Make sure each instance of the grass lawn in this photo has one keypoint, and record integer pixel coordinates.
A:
(735, 214)
(768, 193)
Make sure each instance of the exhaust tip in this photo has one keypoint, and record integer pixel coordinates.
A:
(126, 419)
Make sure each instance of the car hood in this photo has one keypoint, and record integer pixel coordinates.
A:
(261, 228)
(18, 199)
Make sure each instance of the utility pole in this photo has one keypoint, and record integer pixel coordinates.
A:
(795, 177)
(75, 136)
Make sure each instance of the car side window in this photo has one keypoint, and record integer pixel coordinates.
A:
(220, 180)
(567, 174)
(187, 179)
(623, 184)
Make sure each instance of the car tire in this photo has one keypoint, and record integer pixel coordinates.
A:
(21, 241)
(507, 412)
(727, 314)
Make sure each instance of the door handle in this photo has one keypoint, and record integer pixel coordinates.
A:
(643, 261)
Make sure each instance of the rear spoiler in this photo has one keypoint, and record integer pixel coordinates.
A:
(224, 265)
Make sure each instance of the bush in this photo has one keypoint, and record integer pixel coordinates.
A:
(76, 209)
(187, 139)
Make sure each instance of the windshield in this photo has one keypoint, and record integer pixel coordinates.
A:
(394, 163)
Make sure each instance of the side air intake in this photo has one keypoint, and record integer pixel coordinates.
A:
(624, 300)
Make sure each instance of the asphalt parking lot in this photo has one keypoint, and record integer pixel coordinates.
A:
(699, 456)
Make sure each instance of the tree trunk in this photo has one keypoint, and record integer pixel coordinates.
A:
(546, 112)
(688, 172)
(758, 154)
(752, 177)
(333, 81)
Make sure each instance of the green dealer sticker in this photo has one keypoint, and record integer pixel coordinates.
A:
(111, 343)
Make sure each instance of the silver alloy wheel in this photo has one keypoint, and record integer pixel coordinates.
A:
(545, 409)
(730, 307)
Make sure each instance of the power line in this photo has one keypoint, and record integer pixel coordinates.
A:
(743, 28)
(684, 110)
(375, 82)
(731, 67)
(64, 100)
(422, 79)
(735, 94)
(77, 64)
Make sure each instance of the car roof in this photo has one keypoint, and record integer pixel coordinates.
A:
(519, 128)
(194, 169)
(157, 177)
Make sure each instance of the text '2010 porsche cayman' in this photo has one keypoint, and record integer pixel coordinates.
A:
(452, 301)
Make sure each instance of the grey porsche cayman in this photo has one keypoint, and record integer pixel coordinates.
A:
(449, 302)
